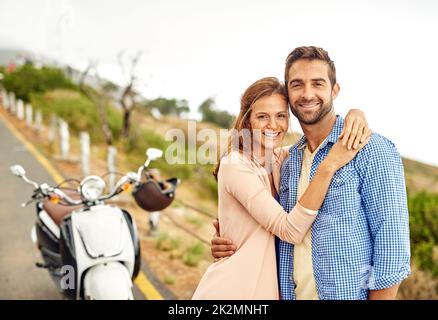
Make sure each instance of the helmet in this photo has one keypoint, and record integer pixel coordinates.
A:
(153, 194)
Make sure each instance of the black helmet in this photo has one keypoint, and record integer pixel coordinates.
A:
(153, 194)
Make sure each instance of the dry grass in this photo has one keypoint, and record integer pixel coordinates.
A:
(420, 285)
(420, 176)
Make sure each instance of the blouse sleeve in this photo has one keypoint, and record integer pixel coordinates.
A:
(243, 184)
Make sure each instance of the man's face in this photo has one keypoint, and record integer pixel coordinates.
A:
(310, 92)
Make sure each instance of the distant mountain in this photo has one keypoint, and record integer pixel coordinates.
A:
(11, 55)
(19, 56)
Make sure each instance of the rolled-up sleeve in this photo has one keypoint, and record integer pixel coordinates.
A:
(385, 203)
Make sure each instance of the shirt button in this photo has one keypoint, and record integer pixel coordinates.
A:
(338, 180)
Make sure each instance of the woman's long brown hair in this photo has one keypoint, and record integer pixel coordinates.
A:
(261, 88)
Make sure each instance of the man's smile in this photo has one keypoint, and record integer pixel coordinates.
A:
(309, 105)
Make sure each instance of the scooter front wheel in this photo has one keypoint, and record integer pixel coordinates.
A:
(108, 281)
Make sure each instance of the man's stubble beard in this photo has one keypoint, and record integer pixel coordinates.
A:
(318, 115)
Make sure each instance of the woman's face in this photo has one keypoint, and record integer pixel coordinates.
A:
(269, 121)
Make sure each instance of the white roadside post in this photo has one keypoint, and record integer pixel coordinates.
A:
(52, 128)
(38, 121)
(85, 153)
(20, 109)
(64, 139)
(154, 219)
(5, 99)
(29, 115)
(111, 159)
(12, 106)
(156, 114)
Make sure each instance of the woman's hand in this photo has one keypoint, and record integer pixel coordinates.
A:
(355, 130)
(339, 155)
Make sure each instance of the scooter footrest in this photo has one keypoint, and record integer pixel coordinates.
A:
(45, 266)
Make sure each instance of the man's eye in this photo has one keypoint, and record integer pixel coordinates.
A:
(282, 116)
(262, 117)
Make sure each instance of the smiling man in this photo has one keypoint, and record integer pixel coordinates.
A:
(358, 246)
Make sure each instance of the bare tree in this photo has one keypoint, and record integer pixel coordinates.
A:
(127, 99)
(101, 101)
(92, 64)
(99, 96)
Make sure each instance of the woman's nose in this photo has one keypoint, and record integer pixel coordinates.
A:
(273, 123)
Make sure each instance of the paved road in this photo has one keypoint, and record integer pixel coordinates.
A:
(19, 278)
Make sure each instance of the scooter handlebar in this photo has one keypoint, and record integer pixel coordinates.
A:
(46, 190)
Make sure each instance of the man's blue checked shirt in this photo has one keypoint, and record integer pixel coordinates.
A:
(360, 238)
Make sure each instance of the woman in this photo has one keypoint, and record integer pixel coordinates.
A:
(249, 214)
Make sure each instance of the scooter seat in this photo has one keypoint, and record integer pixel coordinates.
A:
(59, 211)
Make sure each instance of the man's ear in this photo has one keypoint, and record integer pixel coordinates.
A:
(335, 91)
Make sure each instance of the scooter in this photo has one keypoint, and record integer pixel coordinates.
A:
(91, 249)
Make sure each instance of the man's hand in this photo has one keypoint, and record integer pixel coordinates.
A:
(221, 247)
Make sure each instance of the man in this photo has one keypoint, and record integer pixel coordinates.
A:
(358, 247)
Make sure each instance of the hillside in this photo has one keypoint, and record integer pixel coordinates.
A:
(420, 176)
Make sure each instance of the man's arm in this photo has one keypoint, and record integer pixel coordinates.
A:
(221, 247)
(384, 294)
(384, 200)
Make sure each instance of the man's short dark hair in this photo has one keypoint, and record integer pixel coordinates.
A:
(310, 53)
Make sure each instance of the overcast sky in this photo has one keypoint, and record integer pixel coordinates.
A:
(386, 52)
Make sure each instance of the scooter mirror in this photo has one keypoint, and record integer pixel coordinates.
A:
(154, 153)
(17, 170)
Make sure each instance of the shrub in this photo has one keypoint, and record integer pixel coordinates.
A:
(165, 242)
(169, 279)
(77, 110)
(27, 79)
(423, 210)
(210, 113)
(194, 220)
(193, 254)
(167, 106)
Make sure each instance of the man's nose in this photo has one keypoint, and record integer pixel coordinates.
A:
(308, 93)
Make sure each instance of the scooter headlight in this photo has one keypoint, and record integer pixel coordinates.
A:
(92, 188)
